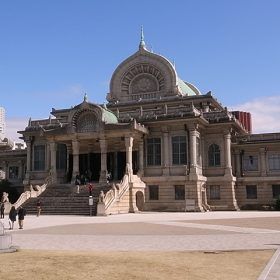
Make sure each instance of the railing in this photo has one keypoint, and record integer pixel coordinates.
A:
(34, 192)
(117, 192)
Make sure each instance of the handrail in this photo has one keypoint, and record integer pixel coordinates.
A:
(34, 192)
(117, 192)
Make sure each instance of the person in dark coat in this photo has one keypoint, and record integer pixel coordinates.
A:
(2, 210)
(12, 217)
(21, 214)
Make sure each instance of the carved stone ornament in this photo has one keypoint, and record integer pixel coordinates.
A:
(142, 78)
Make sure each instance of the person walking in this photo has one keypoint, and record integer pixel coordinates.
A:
(12, 217)
(39, 204)
(21, 214)
(2, 210)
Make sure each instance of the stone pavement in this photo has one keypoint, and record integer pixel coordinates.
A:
(210, 231)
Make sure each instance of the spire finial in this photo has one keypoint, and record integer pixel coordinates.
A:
(85, 97)
(142, 44)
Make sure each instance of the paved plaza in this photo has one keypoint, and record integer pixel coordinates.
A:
(210, 231)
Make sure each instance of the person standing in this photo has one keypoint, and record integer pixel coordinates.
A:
(39, 204)
(21, 214)
(77, 183)
(12, 217)
(90, 187)
(2, 210)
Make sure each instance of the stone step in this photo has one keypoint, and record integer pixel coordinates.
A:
(63, 200)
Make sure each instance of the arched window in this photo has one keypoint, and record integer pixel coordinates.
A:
(87, 122)
(214, 155)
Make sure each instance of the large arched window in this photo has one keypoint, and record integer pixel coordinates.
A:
(214, 155)
(87, 122)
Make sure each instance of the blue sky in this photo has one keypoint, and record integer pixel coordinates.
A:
(51, 52)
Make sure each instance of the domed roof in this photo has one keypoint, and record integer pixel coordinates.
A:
(146, 75)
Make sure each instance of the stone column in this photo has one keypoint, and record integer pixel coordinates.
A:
(76, 151)
(193, 152)
(28, 163)
(227, 144)
(263, 161)
(53, 162)
(6, 169)
(141, 158)
(48, 157)
(128, 149)
(203, 157)
(103, 170)
(68, 150)
(166, 149)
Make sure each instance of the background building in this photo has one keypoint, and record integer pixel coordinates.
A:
(2, 123)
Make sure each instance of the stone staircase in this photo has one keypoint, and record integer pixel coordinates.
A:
(62, 199)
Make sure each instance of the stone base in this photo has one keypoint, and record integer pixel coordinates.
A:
(101, 209)
(5, 242)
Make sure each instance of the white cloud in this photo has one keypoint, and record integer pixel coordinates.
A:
(13, 125)
(265, 113)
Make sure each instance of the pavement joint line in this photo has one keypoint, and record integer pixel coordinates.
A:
(265, 273)
(218, 227)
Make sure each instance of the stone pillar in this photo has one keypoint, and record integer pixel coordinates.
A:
(6, 169)
(103, 170)
(48, 157)
(203, 157)
(76, 151)
(53, 162)
(68, 150)
(28, 163)
(193, 152)
(166, 149)
(263, 161)
(141, 158)
(128, 149)
(227, 144)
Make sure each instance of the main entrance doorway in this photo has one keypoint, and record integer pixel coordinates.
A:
(90, 165)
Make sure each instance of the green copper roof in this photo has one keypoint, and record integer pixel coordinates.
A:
(108, 116)
(186, 90)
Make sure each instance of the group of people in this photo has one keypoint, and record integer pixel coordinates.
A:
(81, 180)
(21, 212)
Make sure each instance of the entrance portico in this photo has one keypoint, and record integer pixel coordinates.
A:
(97, 155)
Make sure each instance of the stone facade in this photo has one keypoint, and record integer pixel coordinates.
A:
(186, 151)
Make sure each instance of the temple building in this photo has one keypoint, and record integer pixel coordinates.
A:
(163, 143)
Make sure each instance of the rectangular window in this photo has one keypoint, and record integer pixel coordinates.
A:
(13, 172)
(39, 157)
(215, 192)
(154, 151)
(251, 192)
(276, 191)
(179, 192)
(250, 163)
(274, 162)
(179, 150)
(153, 192)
